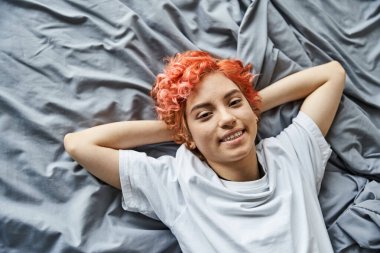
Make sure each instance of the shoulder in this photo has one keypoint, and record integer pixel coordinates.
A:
(150, 185)
(302, 127)
(302, 136)
(307, 123)
(311, 131)
(140, 166)
(301, 145)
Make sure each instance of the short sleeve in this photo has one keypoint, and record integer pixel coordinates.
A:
(311, 147)
(149, 185)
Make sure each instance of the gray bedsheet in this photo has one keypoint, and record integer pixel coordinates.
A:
(69, 65)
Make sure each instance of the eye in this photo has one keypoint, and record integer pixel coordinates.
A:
(204, 115)
(235, 102)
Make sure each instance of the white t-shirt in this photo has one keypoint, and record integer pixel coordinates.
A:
(278, 213)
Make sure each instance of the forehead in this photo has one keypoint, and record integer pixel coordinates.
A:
(212, 86)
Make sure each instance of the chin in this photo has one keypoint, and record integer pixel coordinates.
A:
(239, 155)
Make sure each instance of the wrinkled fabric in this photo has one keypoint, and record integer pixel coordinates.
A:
(69, 65)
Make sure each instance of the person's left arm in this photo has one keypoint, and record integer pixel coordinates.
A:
(321, 86)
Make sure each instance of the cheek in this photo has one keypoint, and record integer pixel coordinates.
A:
(198, 133)
(248, 114)
(202, 135)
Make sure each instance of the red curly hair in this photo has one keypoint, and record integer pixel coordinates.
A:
(182, 74)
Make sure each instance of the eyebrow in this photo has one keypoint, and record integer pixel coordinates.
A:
(207, 104)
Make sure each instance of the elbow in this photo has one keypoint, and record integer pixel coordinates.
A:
(340, 73)
(338, 69)
(70, 143)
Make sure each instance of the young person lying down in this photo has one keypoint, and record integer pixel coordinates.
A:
(221, 192)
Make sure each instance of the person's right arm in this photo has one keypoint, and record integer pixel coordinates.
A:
(96, 148)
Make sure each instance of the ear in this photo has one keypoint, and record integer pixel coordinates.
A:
(192, 145)
(257, 118)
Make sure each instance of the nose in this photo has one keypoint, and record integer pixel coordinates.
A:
(226, 119)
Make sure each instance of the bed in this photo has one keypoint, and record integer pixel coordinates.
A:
(69, 65)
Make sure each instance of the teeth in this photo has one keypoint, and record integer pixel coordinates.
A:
(233, 136)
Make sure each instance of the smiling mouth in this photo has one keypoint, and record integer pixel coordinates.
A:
(233, 136)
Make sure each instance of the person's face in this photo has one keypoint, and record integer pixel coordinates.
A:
(221, 122)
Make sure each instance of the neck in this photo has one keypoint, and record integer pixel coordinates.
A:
(246, 169)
